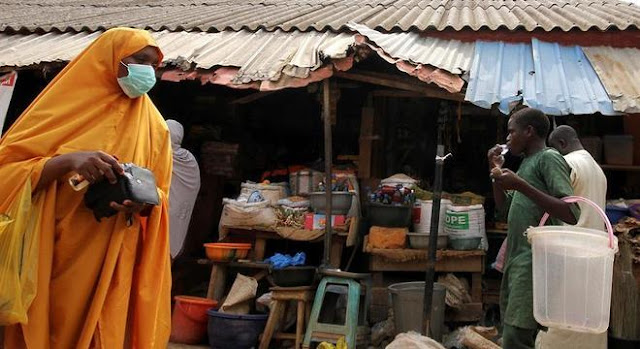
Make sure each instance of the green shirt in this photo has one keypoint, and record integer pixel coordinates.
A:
(548, 172)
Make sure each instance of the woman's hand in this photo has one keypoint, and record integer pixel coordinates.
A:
(90, 165)
(95, 165)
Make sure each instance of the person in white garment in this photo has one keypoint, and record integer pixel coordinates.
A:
(589, 181)
(185, 184)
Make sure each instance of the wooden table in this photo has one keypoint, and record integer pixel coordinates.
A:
(259, 239)
(472, 262)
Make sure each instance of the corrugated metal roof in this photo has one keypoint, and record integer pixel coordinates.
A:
(25, 50)
(559, 80)
(319, 15)
(451, 55)
(619, 71)
(260, 56)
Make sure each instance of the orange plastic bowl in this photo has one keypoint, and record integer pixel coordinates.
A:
(222, 252)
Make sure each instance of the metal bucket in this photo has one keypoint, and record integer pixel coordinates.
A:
(407, 299)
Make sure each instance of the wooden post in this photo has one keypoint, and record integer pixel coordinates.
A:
(335, 255)
(259, 249)
(300, 319)
(366, 140)
(217, 281)
(476, 286)
(326, 115)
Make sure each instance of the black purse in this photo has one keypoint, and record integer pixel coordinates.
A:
(138, 184)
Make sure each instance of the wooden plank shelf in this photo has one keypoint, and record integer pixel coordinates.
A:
(497, 231)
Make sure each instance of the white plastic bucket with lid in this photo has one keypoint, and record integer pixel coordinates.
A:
(572, 274)
(422, 216)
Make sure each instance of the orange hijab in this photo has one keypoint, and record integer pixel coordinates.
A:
(99, 284)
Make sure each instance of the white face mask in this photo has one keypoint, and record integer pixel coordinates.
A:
(140, 80)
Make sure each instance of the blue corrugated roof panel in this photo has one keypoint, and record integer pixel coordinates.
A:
(558, 80)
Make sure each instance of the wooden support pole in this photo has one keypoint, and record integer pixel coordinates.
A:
(326, 116)
(217, 281)
(366, 142)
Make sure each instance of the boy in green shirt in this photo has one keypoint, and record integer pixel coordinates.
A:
(542, 179)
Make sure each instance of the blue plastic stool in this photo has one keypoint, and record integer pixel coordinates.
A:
(355, 328)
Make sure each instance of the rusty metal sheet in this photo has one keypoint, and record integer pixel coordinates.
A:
(619, 71)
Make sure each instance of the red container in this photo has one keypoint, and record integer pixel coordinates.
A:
(189, 320)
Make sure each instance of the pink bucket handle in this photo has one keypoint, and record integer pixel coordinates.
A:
(573, 199)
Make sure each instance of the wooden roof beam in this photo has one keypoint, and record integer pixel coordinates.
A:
(401, 83)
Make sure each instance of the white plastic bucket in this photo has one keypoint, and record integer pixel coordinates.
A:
(422, 216)
(572, 274)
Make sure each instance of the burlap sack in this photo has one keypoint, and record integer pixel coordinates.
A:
(242, 293)
(413, 340)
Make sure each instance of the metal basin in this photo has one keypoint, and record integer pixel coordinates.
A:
(340, 202)
(421, 241)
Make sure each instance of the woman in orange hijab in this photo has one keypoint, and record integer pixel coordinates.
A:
(99, 284)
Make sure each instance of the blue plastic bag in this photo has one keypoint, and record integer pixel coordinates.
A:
(279, 261)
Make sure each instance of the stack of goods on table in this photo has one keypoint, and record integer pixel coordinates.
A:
(273, 206)
(254, 206)
(422, 224)
(399, 201)
(291, 212)
(462, 219)
(306, 209)
(342, 201)
(389, 212)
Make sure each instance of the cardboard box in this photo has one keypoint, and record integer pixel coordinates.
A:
(315, 221)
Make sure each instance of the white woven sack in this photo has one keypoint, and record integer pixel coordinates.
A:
(466, 221)
(237, 213)
(271, 192)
